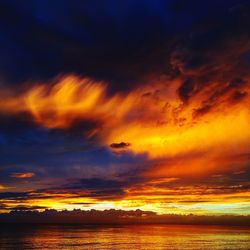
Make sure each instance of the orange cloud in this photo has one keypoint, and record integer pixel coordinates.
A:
(151, 119)
(22, 175)
(2, 187)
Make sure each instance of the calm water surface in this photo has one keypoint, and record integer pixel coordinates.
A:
(123, 237)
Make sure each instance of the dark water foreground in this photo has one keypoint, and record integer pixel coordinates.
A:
(123, 237)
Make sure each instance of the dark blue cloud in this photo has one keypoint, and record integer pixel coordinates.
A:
(57, 154)
(118, 41)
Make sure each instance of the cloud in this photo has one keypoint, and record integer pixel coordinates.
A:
(118, 43)
(129, 103)
(14, 195)
(120, 145)
(2, 187)
(24, 208)
(117, 59)
(22, 175)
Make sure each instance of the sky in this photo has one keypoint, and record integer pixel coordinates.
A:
(130, 104)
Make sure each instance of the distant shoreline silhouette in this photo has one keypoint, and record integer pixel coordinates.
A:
(118, 217)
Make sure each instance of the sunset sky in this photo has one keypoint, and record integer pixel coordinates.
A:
(125, 104)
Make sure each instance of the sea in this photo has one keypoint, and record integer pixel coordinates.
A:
(127, 237)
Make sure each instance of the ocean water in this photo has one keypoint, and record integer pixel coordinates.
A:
(128, 237)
